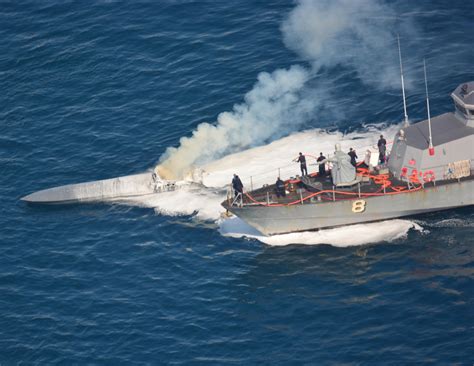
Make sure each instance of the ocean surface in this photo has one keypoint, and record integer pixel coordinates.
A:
(98, 89)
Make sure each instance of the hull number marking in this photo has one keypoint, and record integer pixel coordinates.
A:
(358, 206)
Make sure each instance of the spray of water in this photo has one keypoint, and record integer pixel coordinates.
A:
(263, 164)
(357, 35)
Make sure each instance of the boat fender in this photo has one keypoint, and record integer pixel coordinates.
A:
(428, 176)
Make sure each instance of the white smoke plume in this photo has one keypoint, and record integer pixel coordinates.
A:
(275, 100)
(359, 35)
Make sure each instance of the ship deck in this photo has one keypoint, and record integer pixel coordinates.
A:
(316, 189)
(299, 188)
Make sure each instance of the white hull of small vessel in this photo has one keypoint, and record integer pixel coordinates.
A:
(105, 190)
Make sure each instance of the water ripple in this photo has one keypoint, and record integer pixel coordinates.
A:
(101, 89)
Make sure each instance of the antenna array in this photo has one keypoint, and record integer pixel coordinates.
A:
(407, 123)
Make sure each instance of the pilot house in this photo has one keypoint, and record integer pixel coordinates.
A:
(452, 136)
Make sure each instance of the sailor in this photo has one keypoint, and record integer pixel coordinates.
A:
(302, 160)
(237, 185)
(322, 166)
(353, 156)
(382, 145)
(280, 188)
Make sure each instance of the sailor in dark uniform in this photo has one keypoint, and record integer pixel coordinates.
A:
(280, 188)
(322, 167)
(382, 145)
(237, 185)
(302, 160)
(353, 156)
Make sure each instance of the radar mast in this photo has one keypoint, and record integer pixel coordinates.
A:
(406, 123)
(430, 148)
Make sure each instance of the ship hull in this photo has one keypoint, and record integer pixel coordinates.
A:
(312, 216)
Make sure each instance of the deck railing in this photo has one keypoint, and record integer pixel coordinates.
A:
(266, 198)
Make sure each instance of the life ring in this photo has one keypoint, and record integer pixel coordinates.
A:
(428, 176)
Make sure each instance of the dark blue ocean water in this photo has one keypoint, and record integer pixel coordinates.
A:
(93, 90)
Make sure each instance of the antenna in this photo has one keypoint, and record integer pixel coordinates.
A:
(430, 147)
(406, 124)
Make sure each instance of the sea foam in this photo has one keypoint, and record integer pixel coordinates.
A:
(261, 165)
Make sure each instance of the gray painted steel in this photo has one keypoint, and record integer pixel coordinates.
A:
(463, 97)
(465, 92)
(303, 217)
(404, 155)
(445, 128)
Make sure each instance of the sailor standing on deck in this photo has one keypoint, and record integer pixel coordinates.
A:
(322, 167)
(353, 156)
(302, 160)
(237, 185)
(382, 145)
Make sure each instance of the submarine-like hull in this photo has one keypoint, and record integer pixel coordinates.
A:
(102, 190)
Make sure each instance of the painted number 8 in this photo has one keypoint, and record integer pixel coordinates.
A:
(358, 206)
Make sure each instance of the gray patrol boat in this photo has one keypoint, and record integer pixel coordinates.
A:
(429, 168)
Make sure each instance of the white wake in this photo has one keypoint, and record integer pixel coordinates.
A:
(346, 236)
(358, 36)
(261, 166)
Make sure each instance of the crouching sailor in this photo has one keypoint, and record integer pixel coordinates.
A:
(352, 153)
(280, 188)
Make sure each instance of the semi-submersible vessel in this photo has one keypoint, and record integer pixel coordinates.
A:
(429, 168)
